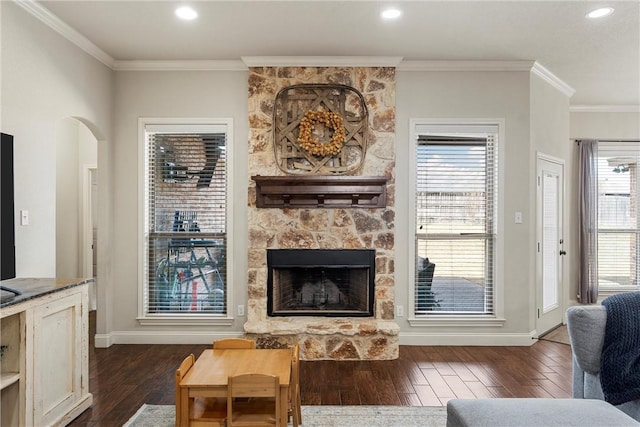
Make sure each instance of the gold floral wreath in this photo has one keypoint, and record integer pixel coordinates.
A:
(312, 145)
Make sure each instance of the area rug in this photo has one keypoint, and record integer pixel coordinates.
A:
(559, 334)
(322, 416)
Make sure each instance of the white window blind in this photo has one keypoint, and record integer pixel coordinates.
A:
(618, 219)
(186, 220)
(456, 198)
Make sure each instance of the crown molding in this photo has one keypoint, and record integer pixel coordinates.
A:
(321, 61)
(528, 66)
(604, 108)
(466, 65)
(53, 22)
(204, 65)
(546, 75)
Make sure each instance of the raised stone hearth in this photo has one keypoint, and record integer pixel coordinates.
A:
(329, 338)
(338, 338)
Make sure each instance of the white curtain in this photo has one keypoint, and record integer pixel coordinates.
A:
(588, 221)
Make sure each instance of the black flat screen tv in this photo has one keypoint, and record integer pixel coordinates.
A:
(7, 215)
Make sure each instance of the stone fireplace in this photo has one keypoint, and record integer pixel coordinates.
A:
(320, 282)
(351, 329)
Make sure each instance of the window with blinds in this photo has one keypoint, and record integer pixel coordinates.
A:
(186, 219)
(618, 219)
(456, 200)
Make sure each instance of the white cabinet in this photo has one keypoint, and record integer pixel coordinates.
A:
(51, 385)
(57, 358)
(12, 369)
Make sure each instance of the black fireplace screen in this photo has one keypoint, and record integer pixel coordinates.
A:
(319, 282)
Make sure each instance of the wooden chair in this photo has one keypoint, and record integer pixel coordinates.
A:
(263, 407)
(234, 343)
(202, 412)
(295, 410)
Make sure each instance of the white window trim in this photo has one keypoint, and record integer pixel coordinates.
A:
(617, 149)
(480, 320)
(186, 124)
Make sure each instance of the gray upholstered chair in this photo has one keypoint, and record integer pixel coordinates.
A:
(586, 325)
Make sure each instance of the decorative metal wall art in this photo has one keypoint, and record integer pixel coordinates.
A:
(320, 129)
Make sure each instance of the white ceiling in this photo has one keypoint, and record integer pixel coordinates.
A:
(600, 59)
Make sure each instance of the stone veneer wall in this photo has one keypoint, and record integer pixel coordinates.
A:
(323, 337)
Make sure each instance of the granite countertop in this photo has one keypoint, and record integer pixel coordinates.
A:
(34, 288)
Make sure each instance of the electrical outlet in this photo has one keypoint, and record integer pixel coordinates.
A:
(399, 311)
(241, 310)
(518, 218)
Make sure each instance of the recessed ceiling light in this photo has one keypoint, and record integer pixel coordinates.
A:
(599, 13)
(391, 13)
(187, 13)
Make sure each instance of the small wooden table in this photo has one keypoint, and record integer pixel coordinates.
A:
(208, 376)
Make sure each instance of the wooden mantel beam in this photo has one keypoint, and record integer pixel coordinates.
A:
(326, 191)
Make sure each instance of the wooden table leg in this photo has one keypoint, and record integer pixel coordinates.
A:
(284, 406)
(178, 406)
(182, 411)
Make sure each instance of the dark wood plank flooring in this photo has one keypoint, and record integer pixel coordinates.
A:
(123, 377)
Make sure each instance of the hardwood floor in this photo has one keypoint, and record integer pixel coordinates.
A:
(123, 377)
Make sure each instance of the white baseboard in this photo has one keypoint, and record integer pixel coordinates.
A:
(103, 340)
(405, 338)
(467, 339)
(163, 337)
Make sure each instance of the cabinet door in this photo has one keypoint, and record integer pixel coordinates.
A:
(57, 358)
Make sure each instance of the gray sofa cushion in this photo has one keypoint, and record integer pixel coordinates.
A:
(631, 408)
(586, 325)
(534, 412)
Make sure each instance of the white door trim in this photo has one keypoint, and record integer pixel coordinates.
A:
(87, 223)
(562, 303)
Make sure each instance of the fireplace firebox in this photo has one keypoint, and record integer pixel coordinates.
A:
(320, 282)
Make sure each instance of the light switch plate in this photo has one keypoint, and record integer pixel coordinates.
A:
(24, 217)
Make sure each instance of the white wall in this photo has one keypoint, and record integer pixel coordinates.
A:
(138, 94)
(550, 136)
(605, 125)
(496, 95)
(67, 214)
(44, 79)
